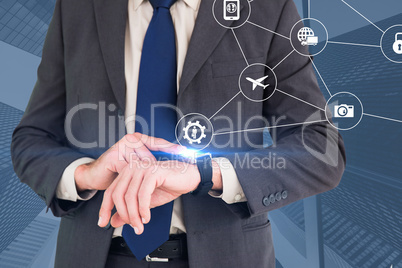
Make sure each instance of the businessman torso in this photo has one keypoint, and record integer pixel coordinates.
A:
(86, 40)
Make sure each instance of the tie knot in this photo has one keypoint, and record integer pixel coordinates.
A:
(162, 3)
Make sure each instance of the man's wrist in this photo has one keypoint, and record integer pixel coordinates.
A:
(197, 177)
(216, 177)
(80, 176)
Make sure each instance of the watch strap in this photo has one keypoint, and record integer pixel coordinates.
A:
(204, 165)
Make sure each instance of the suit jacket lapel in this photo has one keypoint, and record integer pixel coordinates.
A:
(111, 19)
(206, 35)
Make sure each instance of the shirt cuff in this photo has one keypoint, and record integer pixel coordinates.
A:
(66, 189)
(232, 191)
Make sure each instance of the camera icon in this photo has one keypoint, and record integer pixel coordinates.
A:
(344, 111)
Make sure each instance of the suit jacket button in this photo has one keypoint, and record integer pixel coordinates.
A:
(284, 194)
(265, 201)
(278, 196)
(272, 198)
(120, 112)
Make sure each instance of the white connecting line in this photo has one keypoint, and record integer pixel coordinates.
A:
(353, 44)
(345, 43)
(315, 67)
(287, 94)
(268, 30)
(225, 105)
(291, 52)
(382, 117)
(262, 128)
(242, 52)
(283, 92)
(238, 43)
(363, 16)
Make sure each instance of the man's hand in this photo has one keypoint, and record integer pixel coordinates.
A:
(100, 174)
(142, 186)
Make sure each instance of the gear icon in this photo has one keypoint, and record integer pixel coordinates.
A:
(195, 127)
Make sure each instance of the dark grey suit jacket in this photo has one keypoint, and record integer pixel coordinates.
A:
(83, 62)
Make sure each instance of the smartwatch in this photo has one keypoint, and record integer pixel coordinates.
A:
(204, 165)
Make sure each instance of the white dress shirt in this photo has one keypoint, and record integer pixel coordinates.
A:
(184, 14)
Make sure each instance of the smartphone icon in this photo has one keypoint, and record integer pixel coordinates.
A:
(231, 9)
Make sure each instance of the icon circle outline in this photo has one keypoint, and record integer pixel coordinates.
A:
(326, 39)
(206, 119)
(327, 109)
(270, 69)
(234, 27)
(381, 43)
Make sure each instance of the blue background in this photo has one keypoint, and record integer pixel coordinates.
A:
(358, 224)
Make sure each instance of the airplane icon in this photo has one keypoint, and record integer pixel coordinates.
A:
(257, 82)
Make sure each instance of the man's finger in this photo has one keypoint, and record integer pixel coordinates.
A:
(116, 221)
(144, 197)
(116, 163)
(119, 193)
(158, 144)
(134, 144)
(107, 205)
(132, 203)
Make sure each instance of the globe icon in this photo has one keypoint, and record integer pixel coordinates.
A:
(303, 34)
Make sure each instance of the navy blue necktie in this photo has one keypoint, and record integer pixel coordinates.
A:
(155, 114)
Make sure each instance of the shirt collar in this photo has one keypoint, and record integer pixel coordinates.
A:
(194, 4)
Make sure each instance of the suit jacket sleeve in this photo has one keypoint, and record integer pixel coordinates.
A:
(304, 174)
(39, 148)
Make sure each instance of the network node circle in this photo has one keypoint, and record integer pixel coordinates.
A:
(258, 82)
(391, 43)
(345, 109)
(195, 131)
(309, 37)
(231, 14)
